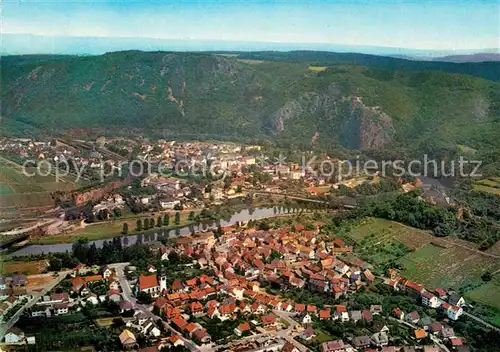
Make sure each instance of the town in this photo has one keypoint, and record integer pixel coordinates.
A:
(240, 289)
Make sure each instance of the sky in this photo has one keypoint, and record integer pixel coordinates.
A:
(430, 25)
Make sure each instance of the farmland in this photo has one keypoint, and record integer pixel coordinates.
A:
(488, 293)
(489, 185)
(434, 262)
(19, 190)
(27, 268)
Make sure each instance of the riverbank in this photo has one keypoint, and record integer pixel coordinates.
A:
(110, 229)
(155, 234)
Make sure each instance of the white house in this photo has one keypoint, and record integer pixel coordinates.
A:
(14, 335)
(454, 312)
(306, 319)
(61, 308)
(107, 273)
(430, 300)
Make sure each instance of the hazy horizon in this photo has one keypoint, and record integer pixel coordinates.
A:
(393, 27)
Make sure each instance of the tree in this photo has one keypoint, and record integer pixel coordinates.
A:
(125, 228)
(159, 223)
(139, 225)
(144, 298)
(146, 224)
(55, 264)
(151, 223)
(191, 216)
(166, 220)
(177, 219)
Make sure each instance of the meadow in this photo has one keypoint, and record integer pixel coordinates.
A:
(433, 261)
(20, 191)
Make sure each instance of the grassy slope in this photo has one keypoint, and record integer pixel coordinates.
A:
(435, 262)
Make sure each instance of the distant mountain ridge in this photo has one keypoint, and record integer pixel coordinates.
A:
(479, 57)
(336, 100)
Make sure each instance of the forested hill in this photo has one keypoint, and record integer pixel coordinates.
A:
(332, 104)
(485, 69)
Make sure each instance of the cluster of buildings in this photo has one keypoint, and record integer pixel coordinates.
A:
(13, 290)
(448, 303)
(246, 261)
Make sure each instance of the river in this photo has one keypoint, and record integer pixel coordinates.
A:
(153, 234)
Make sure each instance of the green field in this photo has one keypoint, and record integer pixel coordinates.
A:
(19, 190)
(454, 266)
(433, 262)
(488, 294)
(5, 189)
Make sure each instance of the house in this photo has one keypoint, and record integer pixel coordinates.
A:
(306, 319)
(77, 283)
(125, 305)
(430, 300)
(380, 339)
(242, 328)
(175, 340)
(376, 309)
(14, 335)
(127, 339)
(41, 312)
(196, 308)
(299, 308)
(149, 284)
(92, 299)
(425, 323)
(268, 320)
(324, 314)
(308, 334)
(289, 347)
(420, 333)
(447, 333)
(436, 327)
(114, 295)
(412, 317)
(367, 315)
(106, 272)
(361, 341)
(413, 289)
(355, 315)
(61, 308)
(455, 299)
(201, 336)
(333, 346)
(398, 314)
(442, 294)
(453, 312)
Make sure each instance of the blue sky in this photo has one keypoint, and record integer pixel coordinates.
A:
(434, 25)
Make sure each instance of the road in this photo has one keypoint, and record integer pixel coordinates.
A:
(36, 296)
(129, 296)
(287, 334)
(433, 337)
(479, 320)
(27, 229)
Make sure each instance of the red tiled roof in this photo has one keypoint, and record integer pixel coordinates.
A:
(148, 281)
(300, 307)
(93, 278)
(324, 314)
(268, 319)
(244, 327)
